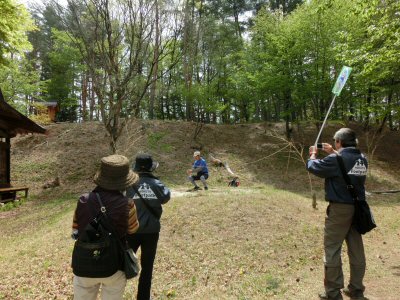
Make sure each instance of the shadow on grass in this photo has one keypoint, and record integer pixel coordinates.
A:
(396, 270)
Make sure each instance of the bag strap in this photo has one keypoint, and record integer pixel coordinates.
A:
(149, 208)
(95, 215)
(109, 225)
(346, 177)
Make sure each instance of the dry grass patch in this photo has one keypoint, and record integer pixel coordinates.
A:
(235, 244)
(251, 242)
(226, 243)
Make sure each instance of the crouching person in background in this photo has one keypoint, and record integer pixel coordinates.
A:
(199, 171)
(97, 259)
(149, 193)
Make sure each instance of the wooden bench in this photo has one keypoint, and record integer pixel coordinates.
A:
(12, 190)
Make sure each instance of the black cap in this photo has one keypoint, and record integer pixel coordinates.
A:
(144, 163)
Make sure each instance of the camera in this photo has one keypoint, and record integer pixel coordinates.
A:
(319, 146)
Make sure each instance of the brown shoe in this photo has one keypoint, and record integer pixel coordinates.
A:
(354, 295)
(324, 296)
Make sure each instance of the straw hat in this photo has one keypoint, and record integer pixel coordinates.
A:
(115, 174)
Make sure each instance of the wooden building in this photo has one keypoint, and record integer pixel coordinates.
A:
(52, 110)
(12, 122)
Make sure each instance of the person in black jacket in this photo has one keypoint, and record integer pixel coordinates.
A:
(339, 214)
(149, 193)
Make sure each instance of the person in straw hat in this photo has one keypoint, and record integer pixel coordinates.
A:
(112, 179)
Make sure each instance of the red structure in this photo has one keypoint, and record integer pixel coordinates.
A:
(52, 109)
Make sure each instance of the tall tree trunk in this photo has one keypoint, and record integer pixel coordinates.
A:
(156, 60)
(368, 104)
(92, 112)
(389, 105)
(84, 97)
(287, 103)
(187, 57)
(236, 17)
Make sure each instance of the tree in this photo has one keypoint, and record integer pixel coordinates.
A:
(19, 80)
(15, 21)
(66, 70)
(46, 20)
(295, 57)
(287, 6)
(20, 83)
(116, 39)
(372, 45)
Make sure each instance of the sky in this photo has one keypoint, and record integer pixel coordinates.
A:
(28, 2)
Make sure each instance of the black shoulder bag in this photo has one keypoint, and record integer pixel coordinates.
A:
(130, 262)
(363, 219)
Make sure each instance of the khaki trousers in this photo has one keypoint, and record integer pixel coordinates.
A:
(338, 228)
(112, 288)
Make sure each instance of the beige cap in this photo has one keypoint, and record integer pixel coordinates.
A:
(196, 153)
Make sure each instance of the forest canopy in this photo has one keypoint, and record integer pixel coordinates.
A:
(208, 61)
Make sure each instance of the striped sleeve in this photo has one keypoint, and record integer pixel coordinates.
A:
(133, 223)
(74, 222)
(83, 199)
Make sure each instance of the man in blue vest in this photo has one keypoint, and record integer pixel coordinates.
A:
(199, 171)
(339, 213)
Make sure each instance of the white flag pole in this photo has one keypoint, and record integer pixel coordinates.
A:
(323, 124)
(337, 88)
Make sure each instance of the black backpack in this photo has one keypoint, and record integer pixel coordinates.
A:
(96, 252)
(234, 182)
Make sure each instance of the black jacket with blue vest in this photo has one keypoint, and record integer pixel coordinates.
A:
(155, 193)
(356, 166)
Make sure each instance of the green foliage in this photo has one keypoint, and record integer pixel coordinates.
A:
(377, 26)
(65, 64)
(14, 22)
(41, 116)
(225, 65)
(297, 57)
(11, 205)
(294, 59)
(155, 142)
(20, 83)
(371, 44)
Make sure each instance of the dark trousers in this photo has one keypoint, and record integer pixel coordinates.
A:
(148, 248)
(338, 228)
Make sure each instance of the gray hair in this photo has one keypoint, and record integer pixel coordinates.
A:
(347, 137)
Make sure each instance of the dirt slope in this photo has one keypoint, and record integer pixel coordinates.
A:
(256, 152)
(262, 240)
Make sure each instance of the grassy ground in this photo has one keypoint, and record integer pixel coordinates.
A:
(262, 240)
(226, 243)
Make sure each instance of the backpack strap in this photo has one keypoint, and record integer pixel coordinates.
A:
(108, 224)
(346, 177)
(149, 208)
(95, 215)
